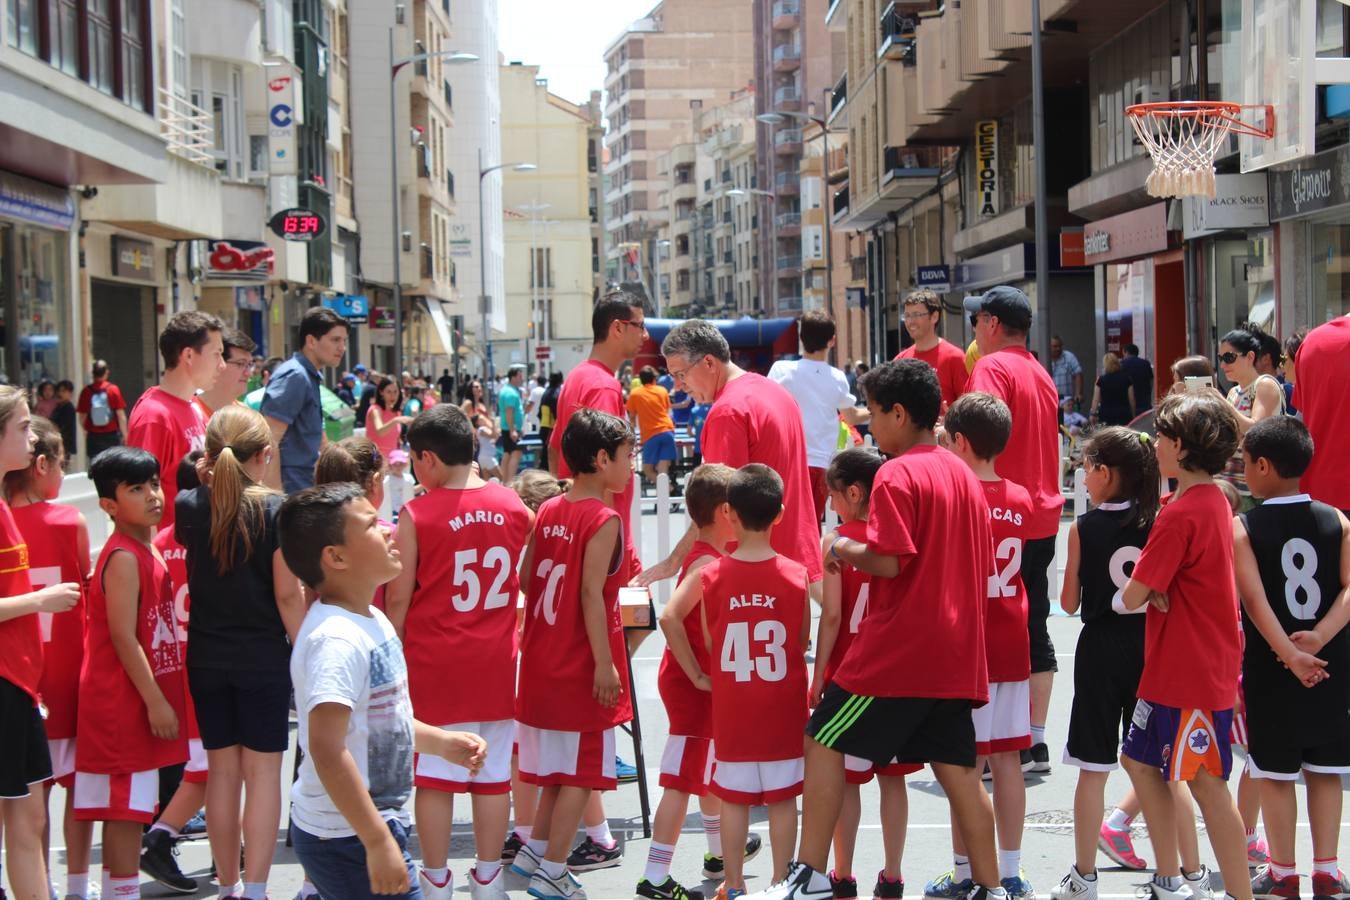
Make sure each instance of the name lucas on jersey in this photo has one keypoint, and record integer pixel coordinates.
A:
(763, 600)
(1000, 514)
(477, 517)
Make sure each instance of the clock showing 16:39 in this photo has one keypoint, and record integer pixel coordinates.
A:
(297, 224)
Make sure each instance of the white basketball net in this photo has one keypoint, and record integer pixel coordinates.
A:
(1183, 146)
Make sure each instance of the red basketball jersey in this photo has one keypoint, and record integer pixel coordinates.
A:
(52, 532)
(459, 636)
(688, 709)
(113, 732)
(759, 682)
(20, 637)
(1006, 644)
(175, 557)
(855, 589)
(557, 669)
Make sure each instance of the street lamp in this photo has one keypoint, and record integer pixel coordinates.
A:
(778, 117)
(395, 66)
(486, 335)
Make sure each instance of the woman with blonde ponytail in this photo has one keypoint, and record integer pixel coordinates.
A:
(246, 606)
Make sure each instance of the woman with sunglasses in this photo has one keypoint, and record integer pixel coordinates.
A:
(1253, 396)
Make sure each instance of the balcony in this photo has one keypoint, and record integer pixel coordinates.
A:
(787, 58)
(897, 35)
(788, 141)
(839, 205)
(787, 264)
(787, 183)
(788, 224)
(838, 97)
(787, 97)
(909, 171)
(786, 14)
(789, 304)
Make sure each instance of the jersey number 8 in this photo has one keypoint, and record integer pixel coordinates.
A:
(1298, 559)
(736, 658)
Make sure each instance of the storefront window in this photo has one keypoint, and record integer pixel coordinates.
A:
(1242, 283)
(1330, 272)
(39, 307)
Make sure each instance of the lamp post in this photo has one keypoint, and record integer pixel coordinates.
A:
(395, 66)
(776, 117)
(486, 335)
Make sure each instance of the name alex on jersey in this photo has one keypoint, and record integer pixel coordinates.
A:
(764, 600)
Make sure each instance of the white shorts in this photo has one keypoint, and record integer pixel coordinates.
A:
(195, 770)
(567, 758)
(860, 771)
(687, 764)
(494, 778)
(756, 783)
(117, 798)
(62, 752)
(1004, 723)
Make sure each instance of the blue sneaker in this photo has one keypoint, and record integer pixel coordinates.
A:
(946, 887)
(1018, 888)
(195, 827)
(623, 771)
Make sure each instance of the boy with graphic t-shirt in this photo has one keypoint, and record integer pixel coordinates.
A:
(573, 684)
(977, 426)
(1291, 554)
(1184, 712)
(165, 421)
(909, 682)
(756, 619)
(459, 542)
(131, 704)
(357, 732)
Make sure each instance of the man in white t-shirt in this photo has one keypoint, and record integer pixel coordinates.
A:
(532, 404)
(822, 394)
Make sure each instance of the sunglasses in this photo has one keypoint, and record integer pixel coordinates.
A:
(1228, 358)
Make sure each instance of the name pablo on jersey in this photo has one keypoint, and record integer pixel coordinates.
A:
(561, 532)
(480, 517)
(743, 600)
(999, 514)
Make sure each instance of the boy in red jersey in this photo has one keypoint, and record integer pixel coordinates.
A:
(1184, 713)
(24, 755)
(906, 689)
(132, 683)
(757, 620)
(573, 683)
(978, 426)
(459, 543)
(58, 552)
(686, 764)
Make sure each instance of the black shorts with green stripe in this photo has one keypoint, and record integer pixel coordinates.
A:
(905, 729)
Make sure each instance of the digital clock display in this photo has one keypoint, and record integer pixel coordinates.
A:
(298, 224)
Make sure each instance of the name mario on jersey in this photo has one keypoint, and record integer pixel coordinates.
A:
(743, 600)
(999, 514)
(477, 517)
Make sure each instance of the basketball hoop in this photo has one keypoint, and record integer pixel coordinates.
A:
(1183, 137)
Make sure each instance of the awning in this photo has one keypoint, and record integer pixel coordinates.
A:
(742, 332)
(437, 312)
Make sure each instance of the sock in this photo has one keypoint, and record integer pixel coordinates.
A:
(1281, 870)
(659, 856)
(1172, 883)
(1037, 734)
(961, 866)
(234, 890)
(1118, 820)
(160, 826)
(1196, 875)
(552, 869)
(712, 830)
(539, 847)
(307, 889)
(255, 890)
(601, 834)
(523, 832)
(125, 887)
(1090, 876)
(820, 882)
(1326, 867)
(1009, 863)
(77, 884)
(439, 877)
(996, 891)
(484, 870)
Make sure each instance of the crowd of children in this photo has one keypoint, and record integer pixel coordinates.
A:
(478, 649)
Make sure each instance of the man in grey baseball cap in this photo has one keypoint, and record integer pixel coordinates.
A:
(1006, 304)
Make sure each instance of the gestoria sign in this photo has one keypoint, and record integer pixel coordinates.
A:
(986, 165)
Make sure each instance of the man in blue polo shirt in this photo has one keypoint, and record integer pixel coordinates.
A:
(291, 402)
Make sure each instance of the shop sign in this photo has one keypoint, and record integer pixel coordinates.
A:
(133, 259)
(1136, 233)
(1239, 202)
(1011, 264)
(35, 201)
(381, 317)
(355, 308)
(1071, 248)
(282, 115)
(986, 166)
(232, 260)
(1318, 183)
(934, 278)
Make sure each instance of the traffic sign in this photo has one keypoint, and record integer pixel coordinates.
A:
(543, 353)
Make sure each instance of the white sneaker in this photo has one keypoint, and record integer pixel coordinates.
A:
(1074, 887)
(797, 886)
(432, 891)
(526, 862)
(493, 890)
(1199, 884)
(565, 887)
(1158, 889)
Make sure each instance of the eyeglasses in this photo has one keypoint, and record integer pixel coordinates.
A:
(1228, 358)
(679, 376)
(918, 316)
(975, 318)
(243, 365)
(640, 324)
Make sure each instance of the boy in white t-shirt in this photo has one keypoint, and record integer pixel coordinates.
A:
(357, 732)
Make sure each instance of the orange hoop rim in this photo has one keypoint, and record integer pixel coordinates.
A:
(1226, 114)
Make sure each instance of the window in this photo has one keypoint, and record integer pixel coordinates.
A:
(133, 55)
(65, 48)
(22, 24)
(219, 88)
(109, 50)
(178, 78)
(99, 37)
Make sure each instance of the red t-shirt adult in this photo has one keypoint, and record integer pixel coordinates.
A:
(175, 557)
(20, 637)
(1322, 371)
(1007, 647)
(855, 589)
(688, 710)
(592, 385)
(755, 420)
(949, 361)
(755, 613)
(52, 533)
(86, 403)
(469, 545)
(557, 668)
(113, 736)
(169, 428)
(1031, 458)
(1192, 652)
(925, 626)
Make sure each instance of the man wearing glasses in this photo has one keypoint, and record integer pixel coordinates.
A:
(923, 309)
(233, 382)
